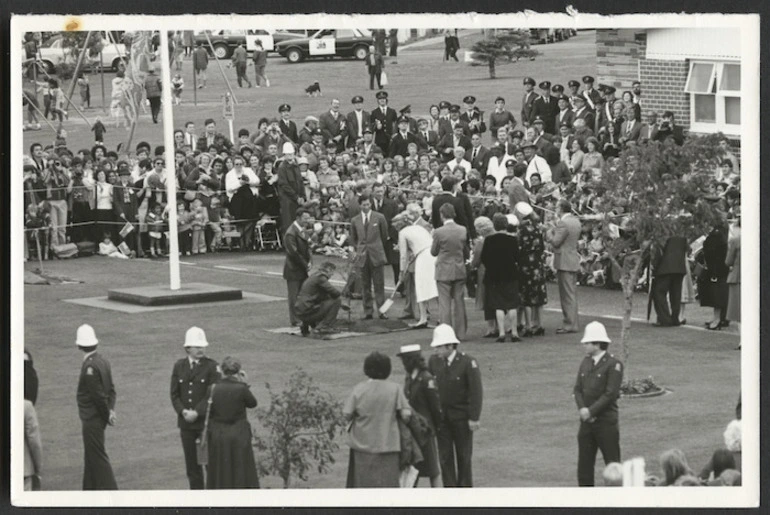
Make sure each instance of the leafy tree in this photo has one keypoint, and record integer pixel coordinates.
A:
(651, 192)
(302, 422)
(502, 46)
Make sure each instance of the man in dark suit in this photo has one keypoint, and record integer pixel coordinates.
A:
(517, 192)
(287, 125)
(596, 393)
(457, 138)
(427, 140)
(319, 301)
(450, 246)
(668, 269)
(333, 125)
(291, 187)
(369, 239)
(212, 138)
(96, 407)
(389, 209)
(190, 380)
(563, 237)
(374, 65)
(527, 102)
(358, 121)
(546, 107)
(472, 116)
(400, 142)
(565, 114)
(479, 155)
(368, 147)
(462, 206)
(458, 378)
(583, 112)
(448, 126)
(297, 264)
(383, 120)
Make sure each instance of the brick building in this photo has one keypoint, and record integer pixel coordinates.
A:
(693, 72)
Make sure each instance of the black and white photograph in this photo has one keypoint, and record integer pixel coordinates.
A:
(296, 258)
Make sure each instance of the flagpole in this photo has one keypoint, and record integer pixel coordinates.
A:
(168, 142)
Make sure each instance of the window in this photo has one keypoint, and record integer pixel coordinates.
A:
(345, 33)
(715, 101)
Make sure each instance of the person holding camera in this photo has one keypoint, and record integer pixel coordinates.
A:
(666, 128)
(231, 461)
(59, 186)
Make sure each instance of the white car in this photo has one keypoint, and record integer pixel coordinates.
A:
(52, 53)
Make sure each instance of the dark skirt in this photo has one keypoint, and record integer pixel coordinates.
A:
(430, 466)
(712, 294)
(367, 470)
(231, 457)
(501, 295)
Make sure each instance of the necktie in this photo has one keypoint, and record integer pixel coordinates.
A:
(193, 365)
(475, 153)
(425, 135)
(366, 225)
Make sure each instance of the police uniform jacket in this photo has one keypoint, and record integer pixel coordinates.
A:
(96, 392)
(598, 387)
(459, 386)
(399, 144)
(422, 394)
(587, 115)
(289, 130)
(354, 129)
(388, 121)
(592, 97)
(527, 105)
(546, 108)
(466, 118)
(567, 116)
(189, 387)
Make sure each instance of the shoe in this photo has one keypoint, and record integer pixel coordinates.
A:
(562, 330)
(383, 316)
(683, 321)
(520, 328)
(526, 333)
(419, 325)
(492, 334)
(513, 339)
(724, 323)
(717, 327)
(367, 317)
(500, 339)
(304, 329)
(406, 317)
(538, 332)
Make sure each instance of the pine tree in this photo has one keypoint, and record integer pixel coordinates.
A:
(502, 46)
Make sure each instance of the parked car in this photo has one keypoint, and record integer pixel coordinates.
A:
(225, 41)
(51, 53)
(550, 35)
(327, 43)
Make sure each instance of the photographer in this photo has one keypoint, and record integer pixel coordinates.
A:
(59, 186)
(666, 128)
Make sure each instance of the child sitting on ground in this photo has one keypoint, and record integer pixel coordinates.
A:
(107, 248)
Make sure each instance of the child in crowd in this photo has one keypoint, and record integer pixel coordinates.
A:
(154, 221)
(99, 129)
(200, 219)
(184, 229)
(215, 222)
(107, 248)
(177, 86)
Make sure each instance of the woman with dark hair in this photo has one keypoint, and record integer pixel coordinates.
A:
(373, 409)
(593, 161)
(712, 282)
(532, 287)
(231, 456)
(560, 173)
(433, 119)
(500, 257)
(422, 393)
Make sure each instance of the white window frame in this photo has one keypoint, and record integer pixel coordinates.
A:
(719, 96)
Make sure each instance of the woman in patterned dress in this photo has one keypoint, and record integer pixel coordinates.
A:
(532, 288)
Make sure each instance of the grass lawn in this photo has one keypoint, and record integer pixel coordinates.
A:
(529, 420)
(420, 78)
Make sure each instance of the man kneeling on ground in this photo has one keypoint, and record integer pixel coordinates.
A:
(318, 302)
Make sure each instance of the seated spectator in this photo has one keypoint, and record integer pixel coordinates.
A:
(674, 465)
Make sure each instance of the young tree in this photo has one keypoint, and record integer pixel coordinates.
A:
(302, 422)
(651, 192)
(502, 46)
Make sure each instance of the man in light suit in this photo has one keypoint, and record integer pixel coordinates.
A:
(333, 125)
(297, 264)
(369, 237)
(517, 191)
(450, 247)
(358, 121)
(566, 260)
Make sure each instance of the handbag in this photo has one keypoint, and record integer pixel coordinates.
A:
(202, 442)
(383, 78)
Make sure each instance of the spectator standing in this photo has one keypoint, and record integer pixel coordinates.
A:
(191, 378)
(532, 287)
(59, 186)
(500, 118)
(153, 88)
(104, 214)
(484, 228)
(460, 390)
(500, 257)
(596, 392)
(297, 264)
(712, 282)
(563, 237)
(260, 63)
(369, 238)
(393, 39)
(200, 63)
(240, 60)
(291, 187)
(375, 64)
(451, 250)
(96, 406)
(733, 261)
(668, 268)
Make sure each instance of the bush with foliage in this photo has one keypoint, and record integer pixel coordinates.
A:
(502, 46)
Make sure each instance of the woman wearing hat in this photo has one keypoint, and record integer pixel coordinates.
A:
(422, 393)
(484, 228)
(231, 455)
(414, 242)
(373, 408)
(500, 256)
(532, 287)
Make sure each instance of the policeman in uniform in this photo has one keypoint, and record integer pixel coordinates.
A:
(574, 87)
(472, 116)
(596, 394)
(288, 127)
(190, 380)
(528, 100)
(383, 120)
(459, 386)
(546, 107)
(591, 95)
(96, 407)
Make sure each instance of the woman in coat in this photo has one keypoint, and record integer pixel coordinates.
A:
(532, 288)
(231, 455)
(500, 257)
(733, 261)
(712, 283)
(414, 242)
(422, 393)
(484, 228)
(373, 408)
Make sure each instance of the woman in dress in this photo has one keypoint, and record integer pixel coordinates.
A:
(414, 242)
(422, 393)
(593, 161)
(532, 288)
(500, 256)
(231, 455)
(373, 408)
(103, 214)
(484, 228)
(712, 282)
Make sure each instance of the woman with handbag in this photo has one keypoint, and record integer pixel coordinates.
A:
(712, 282)
(227, 432)
(422, 393)
(373, 409)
